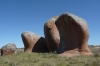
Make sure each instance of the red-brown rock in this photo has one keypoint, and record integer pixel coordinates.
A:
(74, 35)
(51, 34)
(8, 49)
(33, 42)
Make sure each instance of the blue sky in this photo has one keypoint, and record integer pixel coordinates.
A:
(17, 16)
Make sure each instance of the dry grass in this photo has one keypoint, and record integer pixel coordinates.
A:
(46, 59)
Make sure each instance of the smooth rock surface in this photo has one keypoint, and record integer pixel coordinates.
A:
(51, 34)
(8, 49)
(33, 42)
(74, 35)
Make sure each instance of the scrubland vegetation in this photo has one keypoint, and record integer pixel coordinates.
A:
(47, 59)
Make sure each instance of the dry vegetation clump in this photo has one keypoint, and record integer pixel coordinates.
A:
(95, 49)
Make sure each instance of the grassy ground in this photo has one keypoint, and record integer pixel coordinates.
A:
(46, 59)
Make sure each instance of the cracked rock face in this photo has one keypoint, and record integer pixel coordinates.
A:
(33, 42)
(8, 49)
(52, 34)
(74, 35)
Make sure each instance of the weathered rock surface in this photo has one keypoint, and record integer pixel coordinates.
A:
(51, 34)
(8, 49)
(33, 42)
(74, 35)
(0, 51)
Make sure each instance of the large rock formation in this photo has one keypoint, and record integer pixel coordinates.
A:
(8, 49)
(33, 42)
(51, 34)
(0, 51)
(74, 35)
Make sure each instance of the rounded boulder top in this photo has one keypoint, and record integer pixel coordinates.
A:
(9, 46)
(26, 33)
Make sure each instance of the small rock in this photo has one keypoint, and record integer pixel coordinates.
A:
(8, 49)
